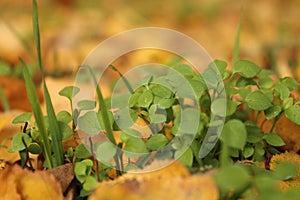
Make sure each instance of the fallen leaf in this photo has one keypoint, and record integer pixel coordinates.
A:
(287, 130)
(18, 183)
(64, 174)
(16, 94)
(169, 182)
(7, 131)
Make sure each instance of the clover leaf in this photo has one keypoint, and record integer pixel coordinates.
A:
(257, 100)
(246, 68)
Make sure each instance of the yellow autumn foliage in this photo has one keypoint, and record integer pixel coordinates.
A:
(18, 183)
(170, 182)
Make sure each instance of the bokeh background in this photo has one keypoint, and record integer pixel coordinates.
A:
(70, 29)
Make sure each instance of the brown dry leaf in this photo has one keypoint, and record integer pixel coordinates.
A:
(170, 182)
(18, 183)
(15, 91)
(64, 174)
(287, 130)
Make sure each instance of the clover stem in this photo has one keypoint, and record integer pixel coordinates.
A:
(94, 160)
(224, 157)
(257, 115)
(275, 121)
(27, 155)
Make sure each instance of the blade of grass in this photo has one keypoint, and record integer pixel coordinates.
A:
(53, 128)
(37, 112)
(104, 114)
(36, 31)
(236, 50)
(4, 100)
(103, 109)
(123, 78)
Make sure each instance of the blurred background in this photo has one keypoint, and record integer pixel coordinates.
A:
(70, 29)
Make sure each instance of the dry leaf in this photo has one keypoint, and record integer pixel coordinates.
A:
(170, 182)
(287, 130)
(64, 174)
(7, 131)
(18, 183)
(16, 94)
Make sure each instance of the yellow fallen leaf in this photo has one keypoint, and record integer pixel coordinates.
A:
(170, 182)
(7, 131)
(4, 120)
(18, 183)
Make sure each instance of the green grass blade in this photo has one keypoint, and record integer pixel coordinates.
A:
(36, 31)
(4, 100)
(37, 112)
(236, 50)
(54, 127)
(103, 109)
(54, 130)
(104, 114)
(123, 78)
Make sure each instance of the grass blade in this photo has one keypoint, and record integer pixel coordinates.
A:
(103, 109)
(37, 112)
(123, 78)
(36, 32)
(104, 113)
(54, 130)
(236, 50)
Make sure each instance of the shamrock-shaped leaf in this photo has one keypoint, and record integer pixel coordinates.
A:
(273, 139)
(293, 114)
(106, 151)
(145, 99)
(157, 141)
(273, 111)
(24, 117)
(89, 123)
(86, 105)
(246, 68)
(17, 142)
(69, 92)
(82, 151)
(234, 134)
(257, 100)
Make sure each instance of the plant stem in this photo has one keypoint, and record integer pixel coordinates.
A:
(224, 157)
(94, 160)
(275, 121)
(27, 155)
(257, 115)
